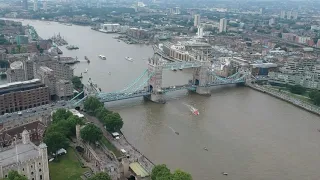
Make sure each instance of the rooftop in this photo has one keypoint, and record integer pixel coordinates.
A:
(24, 153)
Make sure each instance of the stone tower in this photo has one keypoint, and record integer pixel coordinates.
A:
(201, 78)
(78, 127)
(155, 67)
(44, 155)
(25, 136)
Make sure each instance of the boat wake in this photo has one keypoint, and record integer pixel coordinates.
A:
(173, 130)
(192, 109)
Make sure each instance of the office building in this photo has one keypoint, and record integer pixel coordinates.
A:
(46, 75)
(283, 14)
(64, 89)
(294, 15)
(22, 95)
(26, 158)
(289, 15)
(25, 4)
(16, 72)
(223, 25)
(196, 20)
(35, 5)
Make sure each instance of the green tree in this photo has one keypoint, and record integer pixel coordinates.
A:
(101, 112)
(313, 94)
(55, 141)
(61, 114)
(91, 133)
(14, 175)
(76, 81)
(160, 172)
(316, 99)
(100, 176)
(297, 89)
(72, 122)
(181, 175)
(62, 127)
(91, 104)
(113, 122)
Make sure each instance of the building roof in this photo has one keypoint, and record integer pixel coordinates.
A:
(24, 153)
(16, 65)
(138, 169)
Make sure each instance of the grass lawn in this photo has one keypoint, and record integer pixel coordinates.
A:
(67, 167)
(111, 147)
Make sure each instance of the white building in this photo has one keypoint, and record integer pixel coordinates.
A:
(282, 14)
(289, 15)
(26, 158)
(35, 5)
(223, 25)
(196, 20)
(110, 28)
(271, 22)
(294, 15)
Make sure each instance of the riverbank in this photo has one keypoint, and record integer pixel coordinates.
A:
(285, 97)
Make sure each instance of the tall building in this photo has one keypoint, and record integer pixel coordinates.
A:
(25, 4)
(45, 8)
(196, 20)
(223, 25)
(289, 15)
(26, 158)
(282, 14)
(271, 22)
(35, 5)
(294, 15)
(19, 96)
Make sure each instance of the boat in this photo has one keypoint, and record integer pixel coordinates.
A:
(205, 148)
(102, 57)
(129, 59)
(109, 73)
(87, 59)
(72, 47)
(86, 71)
(173, 69)
(177, 133)
(180, 69)
(193, 110)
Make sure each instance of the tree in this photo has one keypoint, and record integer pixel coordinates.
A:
(101, 112)
(181, 175)
(100, 176)
(76, 81)
(160, 171)
(55, 141)
(62, 127)
(315, 97)
(14, 175)
(91, 133)
(91, 104)
(61, 114)
(297, 89)
(113, 122)
(72, 122)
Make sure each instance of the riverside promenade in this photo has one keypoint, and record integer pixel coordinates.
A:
(278, 94)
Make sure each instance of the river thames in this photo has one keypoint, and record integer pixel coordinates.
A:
(248, 134)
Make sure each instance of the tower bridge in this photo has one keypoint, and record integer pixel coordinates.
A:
(149, 83)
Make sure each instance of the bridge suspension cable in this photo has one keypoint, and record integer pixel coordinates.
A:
(144, 82)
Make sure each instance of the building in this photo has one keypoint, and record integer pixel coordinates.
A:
(22, 95)
(271, 22)
(294, 15)
(35, 128)
(22, 39)
(138, 33)
(223, 25)
(35, 5)
(45, 8)
(26, 158)
(289, 14)
(64, 89)
(283, 14)
(16, 72)
(262, 69)
(25, 4)
(46, 75)
(110, 28)
(196, 20)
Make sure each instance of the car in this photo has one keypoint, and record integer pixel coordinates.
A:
(20, 113)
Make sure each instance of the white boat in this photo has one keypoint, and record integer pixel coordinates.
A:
(86, 71)
(102, 57)
(193, 110)
(129, 59)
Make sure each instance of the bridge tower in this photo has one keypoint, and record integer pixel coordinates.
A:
(155, 67)
(201, 78)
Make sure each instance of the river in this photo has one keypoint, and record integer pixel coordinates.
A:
(248, 134)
